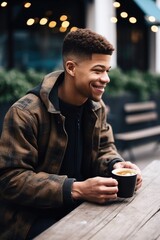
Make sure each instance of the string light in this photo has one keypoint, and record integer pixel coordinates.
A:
(154, 28)
(124, 14)
(114, 20)
(73, 29)
(52, 24)
(63, 18)
(65, 24)
(3, 4)
(132, 20)
(116, 4)
(62, 29)
(27, 4)
(151, 19)
(30, 21)
(43, 21)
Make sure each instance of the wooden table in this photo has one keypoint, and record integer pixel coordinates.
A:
(136, 218)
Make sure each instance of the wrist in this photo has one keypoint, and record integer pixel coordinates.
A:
(76, 192)
(113, 163)
(117, 165)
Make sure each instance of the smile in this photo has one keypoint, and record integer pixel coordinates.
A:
(99, 89)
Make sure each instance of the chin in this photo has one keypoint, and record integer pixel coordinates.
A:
(96, 99)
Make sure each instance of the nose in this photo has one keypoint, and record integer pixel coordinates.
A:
(104, 77)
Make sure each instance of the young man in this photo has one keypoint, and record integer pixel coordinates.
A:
(57, 148)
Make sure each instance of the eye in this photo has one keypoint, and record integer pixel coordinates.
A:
(98, 71)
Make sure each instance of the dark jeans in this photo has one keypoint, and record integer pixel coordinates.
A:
(44, 222)
(39, 226)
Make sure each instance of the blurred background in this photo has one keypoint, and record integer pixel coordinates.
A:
(31, 32)
(31, 35)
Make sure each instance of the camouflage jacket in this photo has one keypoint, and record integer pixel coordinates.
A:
(32, 146)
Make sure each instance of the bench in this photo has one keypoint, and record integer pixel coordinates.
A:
(141, 122)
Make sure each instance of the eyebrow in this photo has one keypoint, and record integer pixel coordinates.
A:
(102, 66)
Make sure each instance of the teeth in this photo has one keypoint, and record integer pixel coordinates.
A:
(100, 87)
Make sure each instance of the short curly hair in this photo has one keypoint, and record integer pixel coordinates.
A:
(85, 42)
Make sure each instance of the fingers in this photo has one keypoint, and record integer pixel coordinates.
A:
(138, 186)
(108, 182)
(139, 182)
(107, 190)
(128, 164)
(139, 175)
(97, 189)
(104, 198)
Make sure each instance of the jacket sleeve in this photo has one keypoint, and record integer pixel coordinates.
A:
(107, 152)
(19, 180)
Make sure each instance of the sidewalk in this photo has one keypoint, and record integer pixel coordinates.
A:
(144, 154)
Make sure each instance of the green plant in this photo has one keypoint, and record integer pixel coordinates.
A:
(14, 83)
(137, 85)
(34, 77)
(117, 82)
(153, 82)
(141, 84)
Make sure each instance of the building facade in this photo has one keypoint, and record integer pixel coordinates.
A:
(31, 35)
(137, 45)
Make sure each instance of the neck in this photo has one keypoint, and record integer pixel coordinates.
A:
(67, 93)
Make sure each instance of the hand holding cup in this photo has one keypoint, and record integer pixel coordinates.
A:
(126, 178)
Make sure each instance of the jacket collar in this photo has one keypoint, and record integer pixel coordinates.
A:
(49, 92)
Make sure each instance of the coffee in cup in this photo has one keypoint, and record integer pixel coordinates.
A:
(126, 178)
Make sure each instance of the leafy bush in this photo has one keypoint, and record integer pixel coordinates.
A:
(14, 83)
(136, 84)
(34, 77)
(142, 84)
(117, 83)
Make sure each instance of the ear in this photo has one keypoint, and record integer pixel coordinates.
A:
(70, 67)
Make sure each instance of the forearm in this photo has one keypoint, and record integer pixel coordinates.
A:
(40, 190)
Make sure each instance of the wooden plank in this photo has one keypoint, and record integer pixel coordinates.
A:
(150, 230)
(141, 117)
(120, 219)
(84, 219)
(140, 106)
(135, 215)
(138, 134)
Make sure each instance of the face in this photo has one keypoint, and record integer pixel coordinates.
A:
(90, 77)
